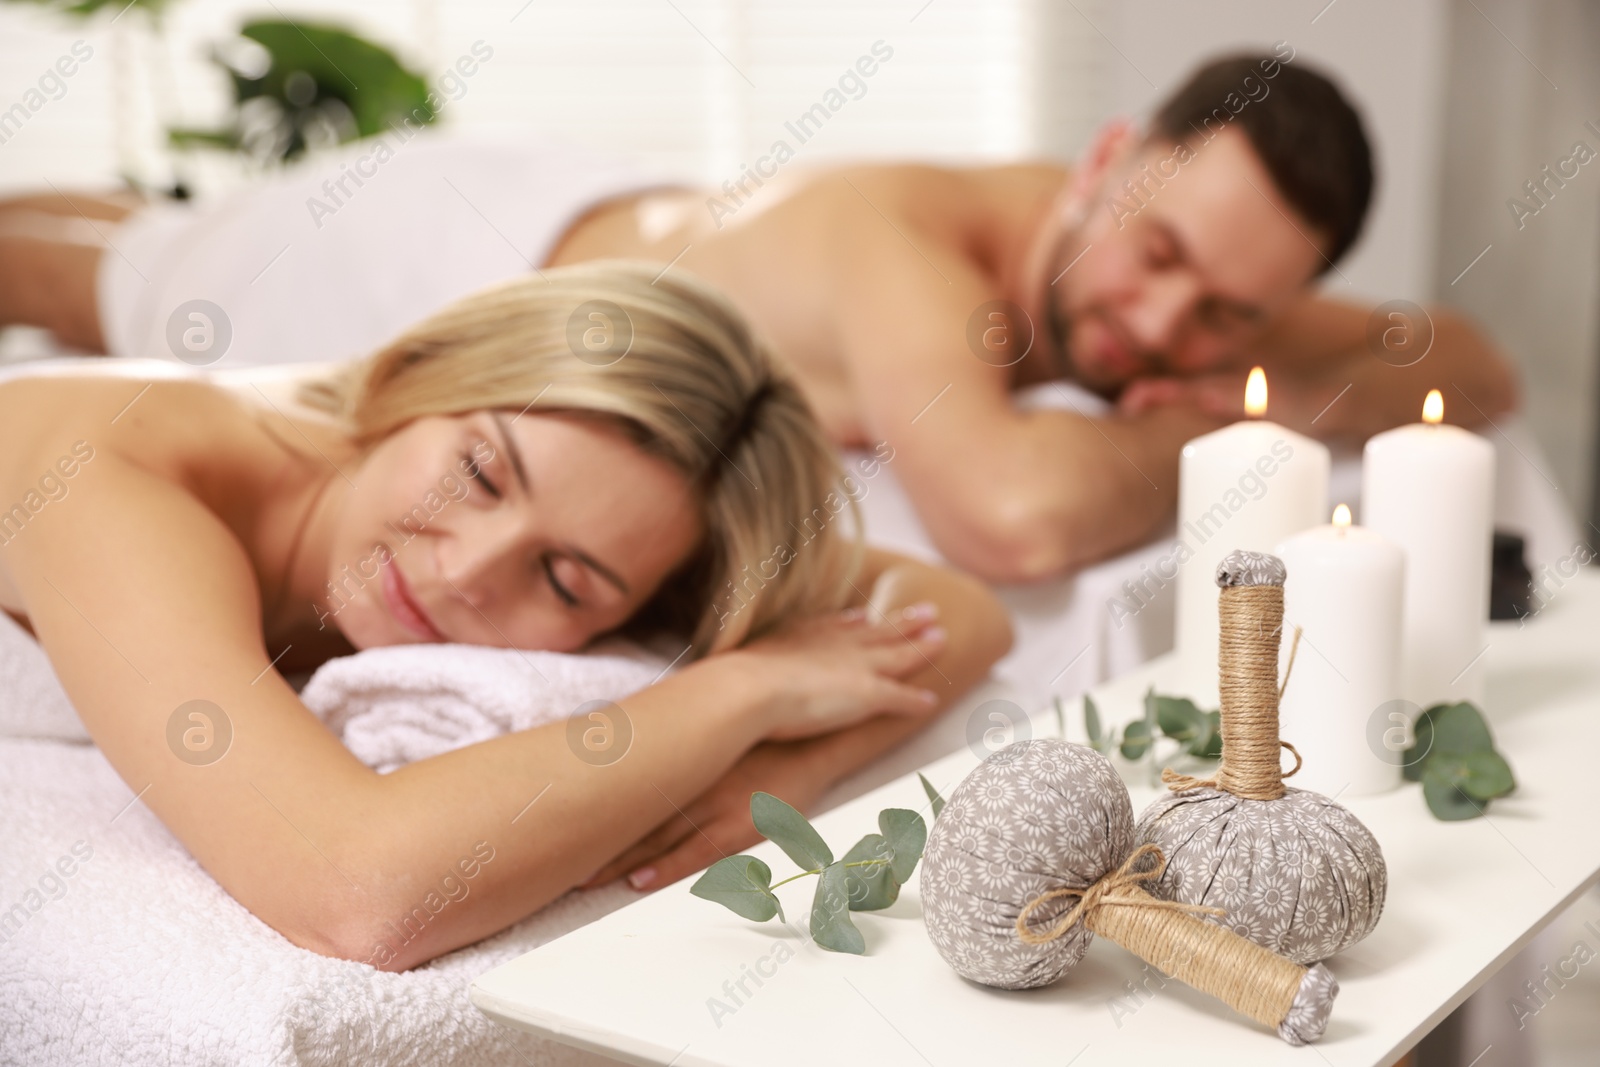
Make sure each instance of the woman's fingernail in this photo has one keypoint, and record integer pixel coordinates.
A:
(934, 633)
(851, 614)
(925, 609)
(929, 697)
(642, 877)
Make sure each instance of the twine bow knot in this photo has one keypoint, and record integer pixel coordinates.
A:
(1119, 888)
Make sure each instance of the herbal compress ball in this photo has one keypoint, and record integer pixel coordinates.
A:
(1034, 816)
(1034, 852)
(1299, 875)
(1294, 872)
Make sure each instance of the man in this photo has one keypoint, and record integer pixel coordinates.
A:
(912, 300)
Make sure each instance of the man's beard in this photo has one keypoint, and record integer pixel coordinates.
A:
(1059, 327)
(1059, 324)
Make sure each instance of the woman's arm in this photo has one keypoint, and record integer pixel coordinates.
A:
(146, 602)
(979, 633)
(718, 823)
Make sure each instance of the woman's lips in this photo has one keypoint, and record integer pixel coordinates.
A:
(404, 608)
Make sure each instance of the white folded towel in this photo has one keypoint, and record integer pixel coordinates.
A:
(396, 705)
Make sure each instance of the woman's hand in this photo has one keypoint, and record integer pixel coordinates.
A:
(717, 822)
(835, 670)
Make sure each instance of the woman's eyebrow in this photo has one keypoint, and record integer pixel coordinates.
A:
(511, 451)
(522, 479)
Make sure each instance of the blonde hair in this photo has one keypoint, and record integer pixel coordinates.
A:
(678, 370)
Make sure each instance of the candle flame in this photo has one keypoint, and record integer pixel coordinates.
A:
(1433, 408)
(1255, 393)
(1341, 516)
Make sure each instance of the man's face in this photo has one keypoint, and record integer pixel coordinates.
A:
(1176, 279)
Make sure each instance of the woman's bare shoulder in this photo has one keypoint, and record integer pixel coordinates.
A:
(162, 419)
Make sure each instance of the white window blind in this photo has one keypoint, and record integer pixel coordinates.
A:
(703, 87)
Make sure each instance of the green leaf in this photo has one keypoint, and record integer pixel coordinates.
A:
(1091, 723)
(830, 913)
(1209, 746)
(1442, 779)
(1416, 756)
(906, 835)
(1178, 718)
(742, 884)
(873, 887)
(1136, 739)
(1061, 717)
(1488, 776)
(1459, 729)
(790, 831)
(933, 795)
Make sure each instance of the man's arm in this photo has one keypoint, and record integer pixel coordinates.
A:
(1009, 495)
(1341, 372)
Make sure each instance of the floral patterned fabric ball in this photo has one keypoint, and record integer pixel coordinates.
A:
(1299, 875)
(1035, 816)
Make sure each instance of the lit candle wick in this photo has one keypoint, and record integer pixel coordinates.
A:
(1433, 408)
(1341, 518)
(1255, 393)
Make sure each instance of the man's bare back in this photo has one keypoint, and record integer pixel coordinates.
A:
(790, 253)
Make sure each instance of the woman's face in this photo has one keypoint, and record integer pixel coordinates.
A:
(493, 528)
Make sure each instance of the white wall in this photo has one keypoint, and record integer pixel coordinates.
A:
(1524, 82)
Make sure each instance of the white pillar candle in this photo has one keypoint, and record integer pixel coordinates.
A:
(1343, 591)
(1248, 485)
(1430, 489)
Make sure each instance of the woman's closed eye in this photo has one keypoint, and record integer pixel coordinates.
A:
(475, 470)
(548, 563)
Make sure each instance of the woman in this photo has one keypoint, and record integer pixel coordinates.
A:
(169, 542)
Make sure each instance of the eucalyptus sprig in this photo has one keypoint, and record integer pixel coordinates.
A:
(867, 878)
(1198, 733)
(1454, 757)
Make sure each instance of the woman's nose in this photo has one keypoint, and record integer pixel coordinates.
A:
(482, 561)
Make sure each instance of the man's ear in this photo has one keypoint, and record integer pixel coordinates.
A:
(1111, 144)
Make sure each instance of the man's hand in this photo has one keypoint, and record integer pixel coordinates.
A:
(1294, 400)
(717, 822)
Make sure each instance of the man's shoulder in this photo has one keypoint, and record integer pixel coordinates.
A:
(913, 176)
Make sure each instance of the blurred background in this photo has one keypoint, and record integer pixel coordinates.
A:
(1468, 101)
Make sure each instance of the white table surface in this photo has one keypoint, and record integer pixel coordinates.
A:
(1463, 898)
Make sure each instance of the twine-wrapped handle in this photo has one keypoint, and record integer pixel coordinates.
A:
(1254, 981)
(1250, 611)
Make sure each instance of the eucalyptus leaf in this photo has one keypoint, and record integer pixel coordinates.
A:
(1441, 788)
(906, 834)
(1416, 755)
(1488, 776)
(830, 913)
(742, 884)
(1091, 724)
(790, 831)
(933, 795)
(1150, 709)
(1459, 729)
(1136, 739)
(1061, 717)
(1178, 718)
(871, 887)
(1209, 745)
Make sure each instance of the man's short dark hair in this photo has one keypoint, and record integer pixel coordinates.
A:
(1303, 129)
